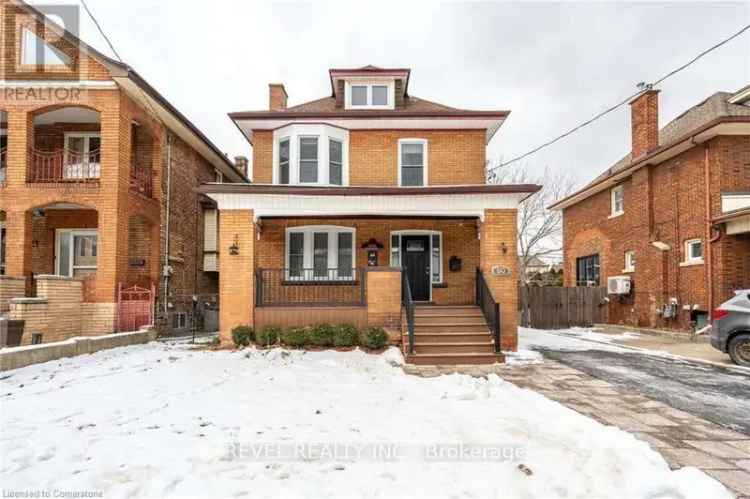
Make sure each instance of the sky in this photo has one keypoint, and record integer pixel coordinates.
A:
(553, 65)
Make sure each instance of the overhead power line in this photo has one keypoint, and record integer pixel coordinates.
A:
(641, 88)
(101, 31)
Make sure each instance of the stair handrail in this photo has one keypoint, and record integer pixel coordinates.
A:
(490, 308)
(409, 307)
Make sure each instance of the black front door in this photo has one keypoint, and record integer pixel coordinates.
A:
(416, 252)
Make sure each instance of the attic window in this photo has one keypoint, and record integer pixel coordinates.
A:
(35, 51)
(370, 94)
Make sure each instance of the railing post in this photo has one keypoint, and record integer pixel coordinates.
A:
(497, 328)
(259, 288)
(363, 287)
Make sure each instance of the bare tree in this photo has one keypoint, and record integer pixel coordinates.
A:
(539, 229)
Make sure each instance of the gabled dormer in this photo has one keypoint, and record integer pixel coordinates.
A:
(369, 87)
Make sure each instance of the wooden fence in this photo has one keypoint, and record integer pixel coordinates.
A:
(552, 307)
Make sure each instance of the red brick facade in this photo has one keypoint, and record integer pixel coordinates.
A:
(666, 202)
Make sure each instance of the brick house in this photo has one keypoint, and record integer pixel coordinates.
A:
(97, 186)
(672, 216)
(360, 194)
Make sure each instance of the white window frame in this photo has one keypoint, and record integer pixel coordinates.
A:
(298, 163)
(86, 136)
(690, 260)
(2, 262)
(401, 233)
(333, 254)
(65, 60)
(324, 133)
(629, 261)
(613, 200)
(369, 83)
(71, 233)
(425, 170)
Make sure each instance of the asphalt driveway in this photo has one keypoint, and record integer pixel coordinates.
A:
(713, 393)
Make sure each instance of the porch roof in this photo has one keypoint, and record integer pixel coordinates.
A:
(434, 201)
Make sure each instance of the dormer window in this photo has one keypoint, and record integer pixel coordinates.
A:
(370, 94)
(35, 51)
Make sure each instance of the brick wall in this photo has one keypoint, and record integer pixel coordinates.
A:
(676, 191)
(10, 287)
(454, 156)
(384, 297)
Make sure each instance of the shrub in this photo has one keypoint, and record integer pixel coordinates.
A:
(269, 335)
(322, 335)
(215, 341)
(296, 337)
(242, 335)
(375, 338)
(346, 336)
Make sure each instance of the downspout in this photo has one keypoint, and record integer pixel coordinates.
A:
(709, 238)
(167, 221)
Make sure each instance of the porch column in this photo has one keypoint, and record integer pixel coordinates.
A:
(498, 249)
(236, 271)
(20, 138)
(18, 246)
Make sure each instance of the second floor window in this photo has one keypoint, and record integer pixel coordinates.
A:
(82, 152)
(618, 200)
(335, 161)
(284, 161)
(308, 160)
(412, 162)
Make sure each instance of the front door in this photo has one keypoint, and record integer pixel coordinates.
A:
(416, 259)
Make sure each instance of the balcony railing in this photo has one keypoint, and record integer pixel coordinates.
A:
(63, 166)
(3, 169)
(310, 287)
(142, 181)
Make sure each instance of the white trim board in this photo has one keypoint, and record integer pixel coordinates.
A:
(437, 205)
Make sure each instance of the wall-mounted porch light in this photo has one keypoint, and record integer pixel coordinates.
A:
(234, 249)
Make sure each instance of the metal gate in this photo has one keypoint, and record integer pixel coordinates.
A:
(135, 308)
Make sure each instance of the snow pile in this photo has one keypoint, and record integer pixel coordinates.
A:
(163, 420)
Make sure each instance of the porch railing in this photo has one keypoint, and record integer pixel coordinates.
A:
(142, 181)
(310, 287)
(3, 168)
(408, 304)
(63, 166)
(490, 308)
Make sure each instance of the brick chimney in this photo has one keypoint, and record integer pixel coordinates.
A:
(644, 122)
(276, 96)
(241, 163)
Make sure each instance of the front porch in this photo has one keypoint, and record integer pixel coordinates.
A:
(451, 246)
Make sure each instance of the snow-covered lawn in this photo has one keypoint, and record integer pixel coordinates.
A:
(162, 420)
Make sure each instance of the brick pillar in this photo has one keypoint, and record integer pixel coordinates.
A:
(18, 230)
(498, 249)
(20, 138)
(383, 297)
(236, 272)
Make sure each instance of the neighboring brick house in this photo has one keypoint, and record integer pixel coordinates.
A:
(351, 188)
(97, 182)
(669, 215)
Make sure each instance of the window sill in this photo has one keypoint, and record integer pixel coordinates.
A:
(628, 271)
(691, 263)
(332, 282)
(615, 215)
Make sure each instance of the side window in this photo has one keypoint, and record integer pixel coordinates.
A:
(587, 271)
(284, 161)
(335, 159)
(618, 201)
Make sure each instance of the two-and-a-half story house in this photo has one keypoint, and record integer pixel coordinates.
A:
(359, 195)
(97, 188)
(672, 218)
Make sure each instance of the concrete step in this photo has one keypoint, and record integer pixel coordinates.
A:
(455, 359)
(450, 348)
(443, 337)
(450, 319)
(451, 327)
(448, 312)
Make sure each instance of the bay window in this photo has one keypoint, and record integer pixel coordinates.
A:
(310, 154)
(320, 253)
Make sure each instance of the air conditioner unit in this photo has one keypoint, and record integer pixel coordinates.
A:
(618, 285)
